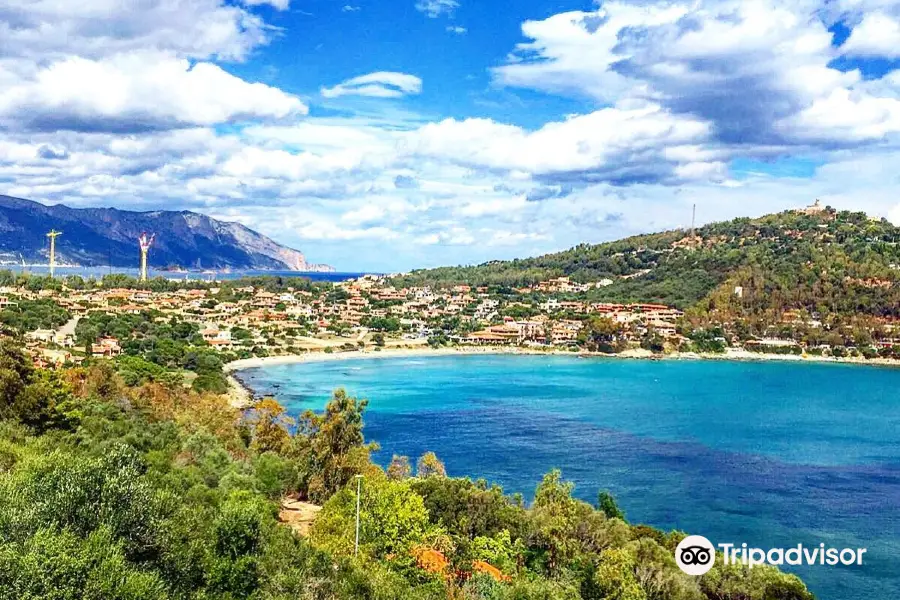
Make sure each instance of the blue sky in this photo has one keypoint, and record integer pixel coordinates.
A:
(386, 136)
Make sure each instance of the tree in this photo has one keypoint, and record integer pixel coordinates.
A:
(270, 425)
(606, 502)
(614, 577)
(332, 445)
(37, 399)
(600, 334)
(239, 334)
(763, 581)
(429, 465)
(399, 469)
(238, 533)
(392, 519)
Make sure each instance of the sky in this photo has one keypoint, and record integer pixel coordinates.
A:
(378, 135)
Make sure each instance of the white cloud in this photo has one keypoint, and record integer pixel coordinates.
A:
(112, 103)
(456, 29)
(612, 144)
(436, 8)
(324, 137)
(365, 214)
(846, 115)
(276, 4)
(877, 35)
(756, 70)
(135, 92)
(260, 163)
(382, 84)
(496, 205)
(50, 29)
(350, 8)
(573, 52)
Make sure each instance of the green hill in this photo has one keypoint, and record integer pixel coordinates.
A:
(832, 262)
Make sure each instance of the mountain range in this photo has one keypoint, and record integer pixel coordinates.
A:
(108, 236)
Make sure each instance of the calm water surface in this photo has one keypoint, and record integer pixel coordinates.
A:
(772, 454)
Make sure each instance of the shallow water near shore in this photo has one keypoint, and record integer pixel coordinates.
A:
(771, 454)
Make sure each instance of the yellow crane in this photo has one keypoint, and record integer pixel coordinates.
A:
(53, 235)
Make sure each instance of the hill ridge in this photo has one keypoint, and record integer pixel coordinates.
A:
(820, 261)
(108, 236)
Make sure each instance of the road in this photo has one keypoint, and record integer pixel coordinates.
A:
(69, 327)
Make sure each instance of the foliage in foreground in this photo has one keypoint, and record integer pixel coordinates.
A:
(110, 491)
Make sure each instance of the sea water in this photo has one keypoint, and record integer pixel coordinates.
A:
(768, 453)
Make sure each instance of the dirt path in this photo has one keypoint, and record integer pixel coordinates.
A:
(298, 515)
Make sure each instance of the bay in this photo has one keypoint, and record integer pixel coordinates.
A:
(768, 453)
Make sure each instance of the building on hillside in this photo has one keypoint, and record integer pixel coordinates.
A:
(55, 357)
(813, 209)
(107, 347)
(40, 335)
(563, 333)
(496, 334)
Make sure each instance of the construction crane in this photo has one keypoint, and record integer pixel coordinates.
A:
(145, 242)
(53, 235)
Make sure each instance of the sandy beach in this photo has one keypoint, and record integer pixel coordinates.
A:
(287, 359)
(732, 354)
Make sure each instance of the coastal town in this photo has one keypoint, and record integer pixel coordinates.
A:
(238, 320)
(358, 313)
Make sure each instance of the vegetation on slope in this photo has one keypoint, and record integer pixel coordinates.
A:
(29, 315)
(152, 491)
(828, 263)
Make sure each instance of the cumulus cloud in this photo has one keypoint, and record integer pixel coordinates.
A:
(456, 29)
(137, 92)
(877, 35)
(383, 84)
(759, 72)
(127, 67)
(435, 8)
(45, 29)
(613, 144)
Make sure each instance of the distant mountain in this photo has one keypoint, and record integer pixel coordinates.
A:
(814, 259)
(104, 236)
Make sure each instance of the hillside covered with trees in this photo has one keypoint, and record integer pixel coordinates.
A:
(827, 262)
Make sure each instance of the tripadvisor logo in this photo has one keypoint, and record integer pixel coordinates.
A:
(695, 555)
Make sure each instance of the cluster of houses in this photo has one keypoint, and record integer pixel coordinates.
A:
(547, 328)
(275, 320)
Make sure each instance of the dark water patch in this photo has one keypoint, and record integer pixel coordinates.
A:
(729, 497)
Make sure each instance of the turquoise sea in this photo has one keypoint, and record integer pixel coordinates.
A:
(772, 454)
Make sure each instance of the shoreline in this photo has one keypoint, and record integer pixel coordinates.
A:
(242, 396)
(239, 395)
(319, 356)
